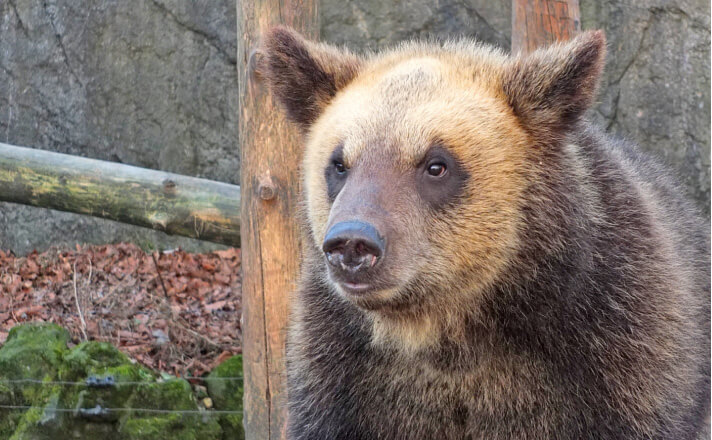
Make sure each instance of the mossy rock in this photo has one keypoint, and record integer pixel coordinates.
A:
(228, 394)
(39, 351)
(86, 359)
(174, 394)
(35, 352)
(9, 420)
(29, 419)
(91, 358)
(101, 360)
(174, 427)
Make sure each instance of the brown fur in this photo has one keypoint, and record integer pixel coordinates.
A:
(559, 290)
(304, 75)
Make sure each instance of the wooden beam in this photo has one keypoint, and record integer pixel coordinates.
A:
(537, 23)
(175, 204)
(270, 153)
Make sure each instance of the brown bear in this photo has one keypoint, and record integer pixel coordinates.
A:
(479, 261)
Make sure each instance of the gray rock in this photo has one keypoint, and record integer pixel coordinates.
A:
(656, 87)
(374, 24)
(161, 337)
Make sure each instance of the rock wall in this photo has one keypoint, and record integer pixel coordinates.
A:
(147, 82)
(656, 87)
(152, 83)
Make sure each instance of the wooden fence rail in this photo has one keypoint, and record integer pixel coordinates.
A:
(175, 204)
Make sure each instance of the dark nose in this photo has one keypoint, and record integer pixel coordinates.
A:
(353, 246)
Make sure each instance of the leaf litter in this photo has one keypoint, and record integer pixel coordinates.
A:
(172, 311)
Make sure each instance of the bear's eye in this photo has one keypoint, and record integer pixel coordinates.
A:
(335, 173)
(437, 169)
(441, 177)
(339, 167)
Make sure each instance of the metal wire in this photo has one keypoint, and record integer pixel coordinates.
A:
(127, 382)
(146, 410)
(105, 411)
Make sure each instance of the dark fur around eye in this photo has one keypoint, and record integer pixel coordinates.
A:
(445, 188)
(335, 173)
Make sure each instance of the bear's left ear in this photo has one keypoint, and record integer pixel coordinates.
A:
(551, 88)
(304, 75)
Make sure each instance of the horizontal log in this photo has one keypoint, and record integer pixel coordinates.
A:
(172, 203)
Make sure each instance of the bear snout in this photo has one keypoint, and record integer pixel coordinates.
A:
(352, 249)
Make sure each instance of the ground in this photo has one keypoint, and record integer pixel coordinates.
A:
(172, 311)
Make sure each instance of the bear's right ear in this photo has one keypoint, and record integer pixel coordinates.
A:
(302, 74)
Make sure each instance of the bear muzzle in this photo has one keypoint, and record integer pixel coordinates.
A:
(353, 249)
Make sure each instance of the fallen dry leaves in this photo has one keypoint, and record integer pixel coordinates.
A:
(172, 311)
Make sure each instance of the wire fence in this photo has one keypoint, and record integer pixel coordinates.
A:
(112, 383)
(100, 411)
(108, 382)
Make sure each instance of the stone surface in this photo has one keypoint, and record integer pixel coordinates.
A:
(656, 87)
(152, 83)
(374, 24)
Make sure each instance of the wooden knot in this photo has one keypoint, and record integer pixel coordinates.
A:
(266, 189)
(169, 187)
(253, 65)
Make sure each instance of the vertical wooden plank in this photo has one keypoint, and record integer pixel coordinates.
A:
(537, 23)
(270, 151)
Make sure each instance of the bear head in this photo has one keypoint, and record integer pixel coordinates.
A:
(416, 163)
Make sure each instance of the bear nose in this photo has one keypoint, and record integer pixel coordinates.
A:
(353, 246)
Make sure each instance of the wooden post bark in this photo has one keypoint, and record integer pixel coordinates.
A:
(537, 23)
(270, 153)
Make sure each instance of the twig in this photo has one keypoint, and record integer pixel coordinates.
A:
(91, 291)
(76, 299)
(12, 309)
(158, 272)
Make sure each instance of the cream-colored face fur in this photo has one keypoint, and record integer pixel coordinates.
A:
(491, 114)
(386, 120)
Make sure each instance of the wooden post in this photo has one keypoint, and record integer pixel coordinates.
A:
(537, 23)
(270, 153)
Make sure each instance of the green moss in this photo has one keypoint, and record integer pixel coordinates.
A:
(9, 419)
(29, 420)
(101, 359)
(228, 394)
(6, 394)
(39, 351)
(91, 358)
(232, 426)
(171, 394)
(173, 426)
(32, 351)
